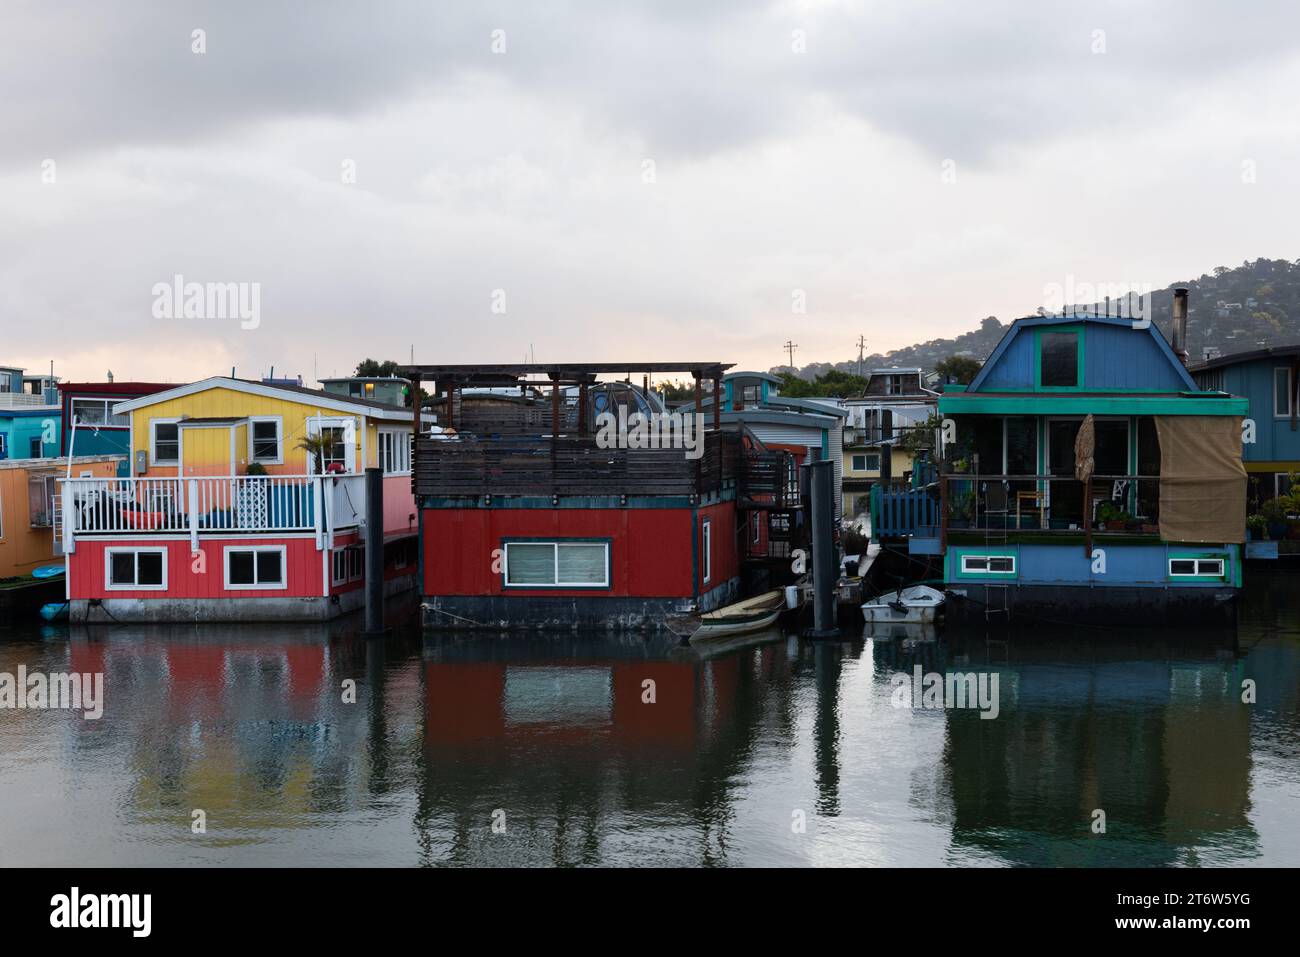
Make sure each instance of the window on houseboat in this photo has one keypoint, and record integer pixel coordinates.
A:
(166, 443)
(1060, 359)
(347, 564)
(266, 440)
(1212, 567)
(557, 564)
(395, 452)
(982, 564)
(336, 452)
(1282, 392)
(131, 568)
(255, 567)
(706, 543)
(98, 412)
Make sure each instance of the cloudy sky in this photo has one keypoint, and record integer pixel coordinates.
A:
(595, 181)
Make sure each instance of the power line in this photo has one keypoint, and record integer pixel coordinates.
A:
(789, 348)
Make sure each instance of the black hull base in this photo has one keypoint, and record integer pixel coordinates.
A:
(1122, 607)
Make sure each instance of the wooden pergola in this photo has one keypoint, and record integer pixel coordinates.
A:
(449, 379)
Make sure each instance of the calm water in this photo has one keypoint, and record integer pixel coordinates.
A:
(551, 734)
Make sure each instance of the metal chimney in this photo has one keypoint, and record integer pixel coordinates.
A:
(1178, 333)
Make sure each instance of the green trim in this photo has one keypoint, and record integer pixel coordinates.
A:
(1127, 404)
(1077, 329)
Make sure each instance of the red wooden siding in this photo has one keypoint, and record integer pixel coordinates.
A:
(650, 549)
(302, 568)
(726, 563)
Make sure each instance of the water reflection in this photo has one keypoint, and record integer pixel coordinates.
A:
(627, 750)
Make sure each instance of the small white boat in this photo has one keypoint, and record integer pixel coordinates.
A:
(752, 614)
(913, 604)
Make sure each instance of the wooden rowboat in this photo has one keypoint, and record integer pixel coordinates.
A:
(752, 614)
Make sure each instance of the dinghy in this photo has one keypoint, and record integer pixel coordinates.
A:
(752, 614)
(913, 604)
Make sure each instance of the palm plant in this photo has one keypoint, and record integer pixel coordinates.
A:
(317, 447)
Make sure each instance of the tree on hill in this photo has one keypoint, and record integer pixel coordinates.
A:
(831, 384)
(961, 369)
(373, 368)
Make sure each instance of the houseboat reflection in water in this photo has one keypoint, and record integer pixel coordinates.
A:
(477, 750)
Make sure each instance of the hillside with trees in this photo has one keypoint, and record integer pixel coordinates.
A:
(1251, 306)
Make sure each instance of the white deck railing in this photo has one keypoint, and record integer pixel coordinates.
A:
(211, 504)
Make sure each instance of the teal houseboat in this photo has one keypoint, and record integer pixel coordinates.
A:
(1083, 474)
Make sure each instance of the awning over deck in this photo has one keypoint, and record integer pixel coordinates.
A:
(1202, 480)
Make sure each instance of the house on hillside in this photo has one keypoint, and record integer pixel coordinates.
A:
(227, 516)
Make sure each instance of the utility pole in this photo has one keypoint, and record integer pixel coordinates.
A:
(862, 344)
(789, 348)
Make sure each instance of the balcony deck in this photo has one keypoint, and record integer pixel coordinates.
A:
(195, 506)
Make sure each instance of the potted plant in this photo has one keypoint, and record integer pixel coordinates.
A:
(1257, 527)
(961, 508)
(1274, 515)
(1110, 517)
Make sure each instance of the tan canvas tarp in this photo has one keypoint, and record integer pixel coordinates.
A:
(1202, 480)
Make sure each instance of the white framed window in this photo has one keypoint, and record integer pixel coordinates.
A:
(164, 442)
(348, 564)
(337, 455)
(135, 569)
(706, 543)
(259, 567)
(557, 564)
(395, 451)
(35, 448)
(266, 439)
(98, 412)
(988, 564)
(1196, 567)
(1283, 392)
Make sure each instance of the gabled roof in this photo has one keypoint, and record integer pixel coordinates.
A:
(1035, 322)
(300, 394)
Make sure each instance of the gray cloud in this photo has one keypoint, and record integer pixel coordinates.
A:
(959, 79)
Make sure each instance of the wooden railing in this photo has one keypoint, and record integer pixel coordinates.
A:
(570, 465)
(1023, 503)
(245, 503)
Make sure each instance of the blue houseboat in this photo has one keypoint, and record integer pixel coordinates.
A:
(1083, 475)
(1268, 380)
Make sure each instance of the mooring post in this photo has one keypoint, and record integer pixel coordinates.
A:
(825, 571)
(374, 551)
